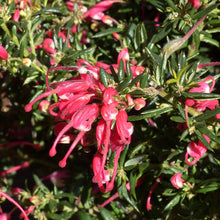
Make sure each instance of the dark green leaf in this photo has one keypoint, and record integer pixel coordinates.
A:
(208, 114)
(178, 119)
(207, 132)
(121, 71)
(106, 214)
(203, 140)
(173, 202)
(201, 96)
(125, 84)
(129, 72)
(124, 193)
(107, 32)
(200, 14)
(104, 77)
(84, 216)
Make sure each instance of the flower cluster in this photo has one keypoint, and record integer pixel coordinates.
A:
(84, 101)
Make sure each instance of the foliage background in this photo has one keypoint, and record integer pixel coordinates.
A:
(153, 150)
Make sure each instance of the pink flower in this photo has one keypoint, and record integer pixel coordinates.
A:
(3, 53)
(13, 169)
(96, 12)
(99, 174)
(2, 194)
(177, 181)
(201, 105)
(124, 128)
(57, 177)
(148, 204)
(195, 3)
(123, 55)
(139, 103)
(44, 105)
(49, 46)
(196, 151)
(16, 15)
(67, 137)
(70, 5)
(5, 216)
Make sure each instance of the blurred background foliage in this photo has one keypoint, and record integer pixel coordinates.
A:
(154, 150)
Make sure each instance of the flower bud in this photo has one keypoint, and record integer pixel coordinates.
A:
(26, 61)
(177, 181)
(3, 53)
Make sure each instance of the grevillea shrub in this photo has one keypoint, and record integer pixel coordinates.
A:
(109, 109)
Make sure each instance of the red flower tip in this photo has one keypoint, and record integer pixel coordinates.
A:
(3, 53)
(28, 107)
(52, 152)
(62, 163)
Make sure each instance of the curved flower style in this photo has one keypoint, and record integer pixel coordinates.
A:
(196, 151)
(96, 12)
(177, 180)
(2, 194)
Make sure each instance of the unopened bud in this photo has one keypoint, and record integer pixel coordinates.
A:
(26, 61)
(139, 103)
(174, 45)
(3, 53)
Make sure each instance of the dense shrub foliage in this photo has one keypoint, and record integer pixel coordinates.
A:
(109, 109)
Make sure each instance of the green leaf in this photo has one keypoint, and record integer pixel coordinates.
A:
(184, 134)
(133, 180)
(214, 185)
(201, 96)
(203, 140)
(200, 14)
(131, 163)
(157, 37)
(144, 81)
(207, 132)
(123, 156)
(210, 41)
(129, 72)
(155, 112)
(53, 205)
(124, 193)
(39, 183)
(78, 53)
(154, 56)
(106, 214)
(124, 84)
(121, 71)
(136, 79)
(149, 114)
(107, 32)
(214, 30)
(51, 11)
(104, 77)
(84, 216)
(30, 79)
(173, 203)
(208, 114)
(177, 119)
